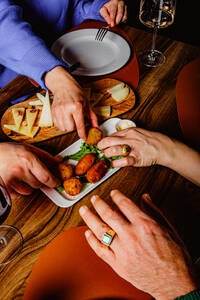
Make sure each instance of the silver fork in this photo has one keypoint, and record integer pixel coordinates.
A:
(101, 33)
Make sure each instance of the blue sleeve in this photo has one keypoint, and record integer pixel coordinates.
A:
(20, 49)
(87, 9)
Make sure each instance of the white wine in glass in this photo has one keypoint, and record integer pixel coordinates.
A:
(155, 14)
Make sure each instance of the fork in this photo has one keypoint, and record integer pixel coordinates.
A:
(101, 33)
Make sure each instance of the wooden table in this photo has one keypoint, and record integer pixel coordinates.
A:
(40, 220)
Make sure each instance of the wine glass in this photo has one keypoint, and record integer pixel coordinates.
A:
(11, 240)
(156, 14)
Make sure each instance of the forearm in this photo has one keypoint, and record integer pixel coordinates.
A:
(182, 159)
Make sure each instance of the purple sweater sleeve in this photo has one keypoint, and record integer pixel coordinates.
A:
(20, 49)
(87, 9)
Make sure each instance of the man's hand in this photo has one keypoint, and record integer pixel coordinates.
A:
(114, 12)
(141, 252)
(24, 168)
(68, 102)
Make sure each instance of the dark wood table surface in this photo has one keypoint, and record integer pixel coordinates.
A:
(40, 220)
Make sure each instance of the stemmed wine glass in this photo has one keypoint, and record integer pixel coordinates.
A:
(156, 14)
(11, 240)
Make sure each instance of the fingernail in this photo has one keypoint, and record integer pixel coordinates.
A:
(87, 233)
(93, 199)
(112, 193)
(147, 197)
(82, 210)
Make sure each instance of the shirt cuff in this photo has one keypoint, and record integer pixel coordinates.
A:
(38, 61)
(96, 8)
(195, 295)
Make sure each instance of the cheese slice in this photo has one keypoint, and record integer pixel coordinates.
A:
(120, 94)
(18, 114)
(36, 102)
(46, 116)
(23, 130)
(116, 87)
(31, 115)
(104, 111)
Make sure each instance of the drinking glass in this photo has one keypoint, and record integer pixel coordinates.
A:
(11, 240)
(156, 14)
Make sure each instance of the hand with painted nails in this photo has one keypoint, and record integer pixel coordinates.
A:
(151, 148)
(147, 147)
(149, 256)
(24, 168)
(114, 12)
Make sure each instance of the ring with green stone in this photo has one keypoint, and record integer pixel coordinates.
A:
(108, 237)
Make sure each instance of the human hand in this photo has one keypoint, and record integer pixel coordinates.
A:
(147, 148)
(114, 12)
(141, 252)
(68, 102)
(23, 168)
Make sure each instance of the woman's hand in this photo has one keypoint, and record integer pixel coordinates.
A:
(24, 168)
(147, 147)
(68, 102)
(141, 252)
(114, 12)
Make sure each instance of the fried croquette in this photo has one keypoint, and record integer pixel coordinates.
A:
(97, 171)
(85, 163)
(73, 186)
(65, 171)
(94, 136)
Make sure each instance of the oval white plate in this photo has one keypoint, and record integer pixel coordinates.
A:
(62, 199)
(96, 58)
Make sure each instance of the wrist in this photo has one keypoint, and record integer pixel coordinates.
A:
(52, 78)
(175, 291)
(166, 151)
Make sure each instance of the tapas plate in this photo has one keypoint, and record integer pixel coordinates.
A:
(60, 197)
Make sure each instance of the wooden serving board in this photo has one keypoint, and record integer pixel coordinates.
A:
(100, 86)
(47, 133)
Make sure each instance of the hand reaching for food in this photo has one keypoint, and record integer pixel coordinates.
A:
(24, 168)
(146, 147)
(114, 12)
(68, 102)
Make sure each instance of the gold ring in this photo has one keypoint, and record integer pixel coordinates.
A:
(125, 150)
(108, 237)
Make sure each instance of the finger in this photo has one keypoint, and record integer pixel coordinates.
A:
(110, 217)
(93, 117)
(80, 124)
(124, 132)
(94, 223)
(112, 141)
(126, 205)
(45, 156)
(113, 13)
(105, 15)
(113, 151)
(124, 162)
(57, 118)
(102, 251)
(120, 12)
(125, 17)
(40, 171)
(20, 187)
(69, 123)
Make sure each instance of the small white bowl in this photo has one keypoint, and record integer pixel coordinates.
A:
(124, 124)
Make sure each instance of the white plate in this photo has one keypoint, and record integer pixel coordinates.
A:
(62, 199)
(96, 58)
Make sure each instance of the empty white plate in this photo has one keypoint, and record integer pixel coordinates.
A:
(95, 57)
